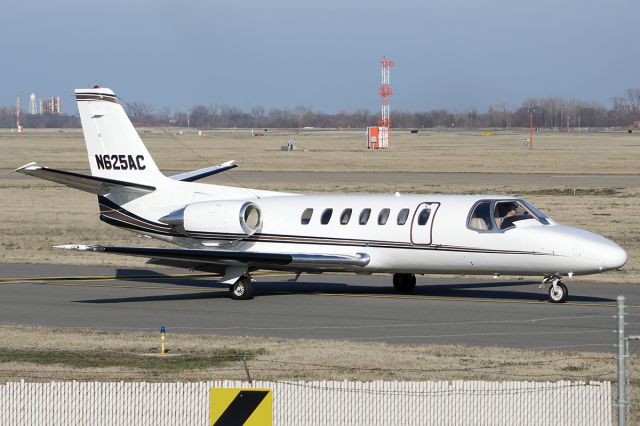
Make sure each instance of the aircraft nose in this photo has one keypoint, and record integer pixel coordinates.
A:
(604, 254)
(612, 256)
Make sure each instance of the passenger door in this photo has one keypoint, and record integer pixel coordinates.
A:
(422, 223)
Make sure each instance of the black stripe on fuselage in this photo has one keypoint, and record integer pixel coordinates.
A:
(115, 215)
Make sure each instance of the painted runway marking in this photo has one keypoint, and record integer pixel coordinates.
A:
(139, 287)
(84, 281)
(101, 277)
(469, 299)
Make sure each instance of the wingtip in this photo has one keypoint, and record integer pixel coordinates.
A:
(29, 166)
(78, 247)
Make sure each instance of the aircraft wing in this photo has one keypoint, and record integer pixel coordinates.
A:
(93, 184)
(252, 259)
(203, 173)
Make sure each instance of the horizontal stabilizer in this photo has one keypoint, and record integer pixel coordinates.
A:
(203, 173)
(93, 184)
(230, 257)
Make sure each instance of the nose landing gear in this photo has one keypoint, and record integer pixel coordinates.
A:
(558, 292)
(242, 289)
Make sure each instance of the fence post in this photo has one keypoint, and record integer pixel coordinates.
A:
(622, 377)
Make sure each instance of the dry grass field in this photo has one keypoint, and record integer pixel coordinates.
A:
(278, 359)
(327, 150)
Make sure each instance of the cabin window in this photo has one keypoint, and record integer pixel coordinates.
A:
(480, 218)
(423, 218)
(383, 216)
(402, 216)
(326, 216)
(364, 216)
(306, 216)
(345, 216)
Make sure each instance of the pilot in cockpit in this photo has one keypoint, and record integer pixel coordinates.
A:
(505, 213)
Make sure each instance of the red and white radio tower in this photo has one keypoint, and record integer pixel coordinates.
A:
(385, 92)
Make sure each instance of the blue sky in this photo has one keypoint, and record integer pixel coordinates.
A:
(449, 53)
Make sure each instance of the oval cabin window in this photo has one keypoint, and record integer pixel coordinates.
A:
(424, 217)
(402, 216)
(306, 216)
(345, 216)
(383, 216)
(326, 216)
(364, 216)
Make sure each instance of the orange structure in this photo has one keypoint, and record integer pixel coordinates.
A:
(373, 137)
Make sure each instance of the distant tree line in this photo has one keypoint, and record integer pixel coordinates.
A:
(549, 112)
(39, 121)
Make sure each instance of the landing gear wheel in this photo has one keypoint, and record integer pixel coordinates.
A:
(242, 289)
(404, 283)
(559, 294)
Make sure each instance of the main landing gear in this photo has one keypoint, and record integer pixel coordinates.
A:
(241, 289)
(404, 283)
(558, 292)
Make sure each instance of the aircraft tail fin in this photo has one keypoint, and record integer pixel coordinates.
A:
(114, 147)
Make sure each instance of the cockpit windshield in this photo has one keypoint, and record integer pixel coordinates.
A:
(534, 211)
(496, 215)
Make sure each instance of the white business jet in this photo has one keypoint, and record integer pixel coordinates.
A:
(236, 231)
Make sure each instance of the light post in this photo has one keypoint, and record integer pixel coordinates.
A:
(622, 376)
(532, 109)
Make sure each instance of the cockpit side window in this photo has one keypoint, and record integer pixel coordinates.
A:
(505, 212)
(480, 218)
(499, 215)
(508, 212)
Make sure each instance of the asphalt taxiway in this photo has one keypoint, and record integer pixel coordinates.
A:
(484, 312)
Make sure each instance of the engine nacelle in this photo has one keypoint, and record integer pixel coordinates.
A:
(234, 217)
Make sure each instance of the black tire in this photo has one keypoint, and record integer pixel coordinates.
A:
(412, 282)
(242, 289)
(404, 283)
(560, 295)
(396, 281)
